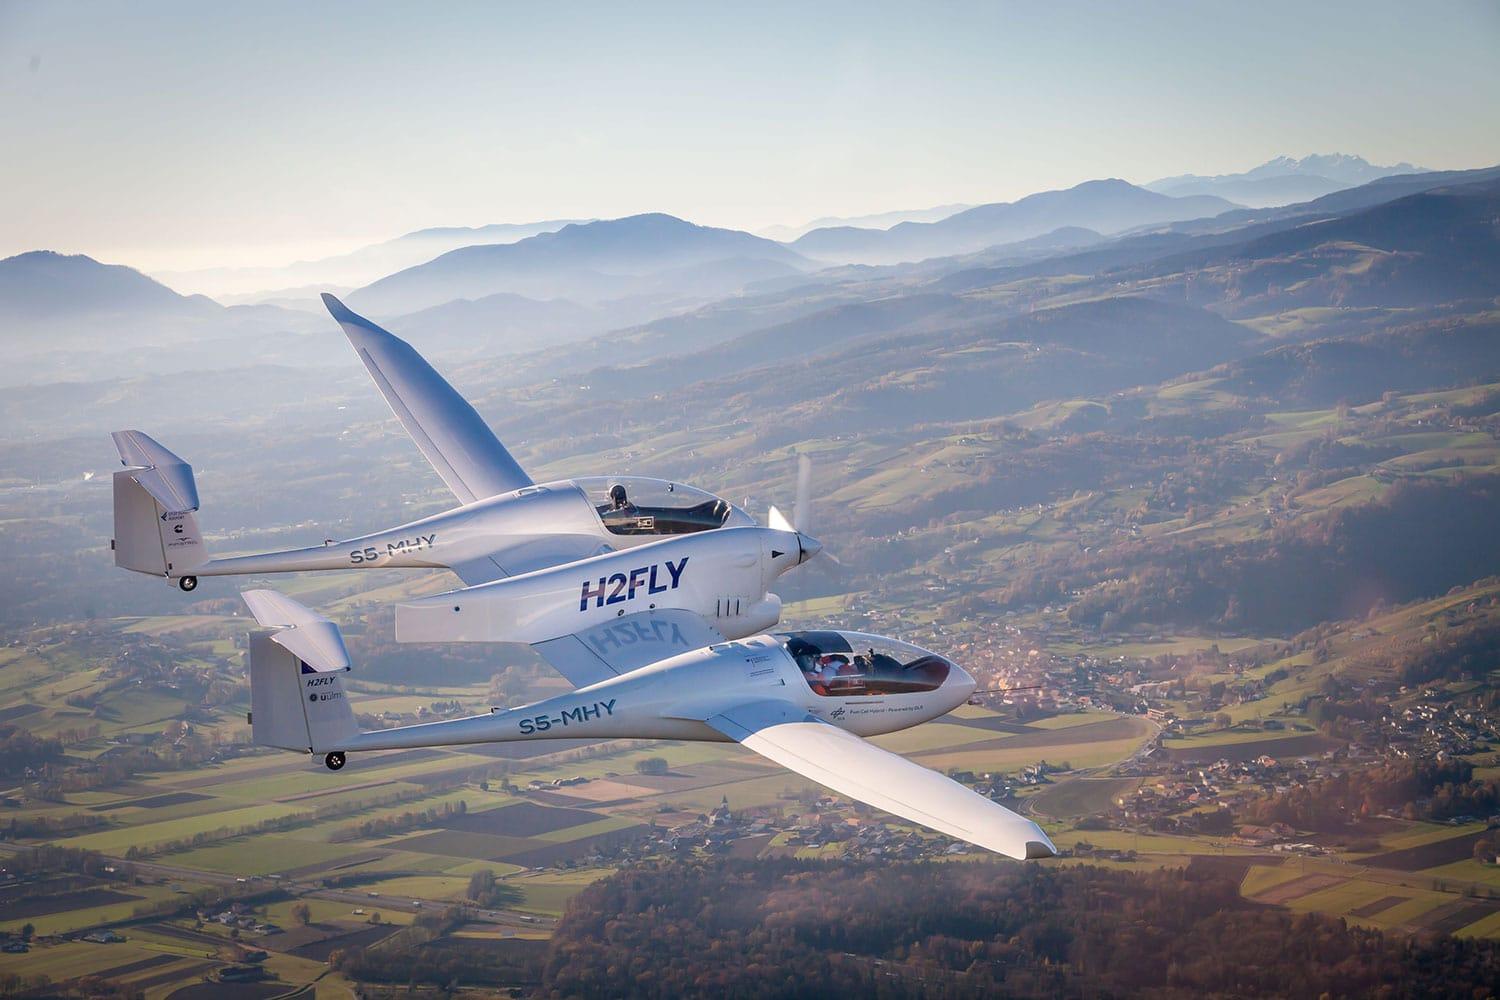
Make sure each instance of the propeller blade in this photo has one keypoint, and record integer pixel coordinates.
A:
(801, 509)
(777, 520)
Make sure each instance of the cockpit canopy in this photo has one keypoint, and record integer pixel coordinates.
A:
(633, 505)
(854, 664)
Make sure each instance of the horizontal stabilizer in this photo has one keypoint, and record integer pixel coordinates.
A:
(313, 639)
(160, 473)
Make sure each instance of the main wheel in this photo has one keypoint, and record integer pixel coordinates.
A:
(188, 584)
(334, 760)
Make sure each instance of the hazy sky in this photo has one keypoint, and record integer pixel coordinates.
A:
(196, 134)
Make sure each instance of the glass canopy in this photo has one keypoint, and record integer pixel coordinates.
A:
(853, 664)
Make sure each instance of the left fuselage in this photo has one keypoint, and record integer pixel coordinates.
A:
(722, 576)
(537, 525)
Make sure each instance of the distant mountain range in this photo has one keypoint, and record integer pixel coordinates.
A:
(1424, 249)
(653, 255)
(1104, 206)
(879, 220)
(660, 287)
(43, 293)
(358, 267)
(1283, 180)
(69, 317)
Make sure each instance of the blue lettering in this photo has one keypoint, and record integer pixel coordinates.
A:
(676, 571)
(654, 587)
(597, 592)
(609, 706)
(637, 577)
(617, 596)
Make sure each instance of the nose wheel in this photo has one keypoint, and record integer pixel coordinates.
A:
(334, 761)
(188, 584)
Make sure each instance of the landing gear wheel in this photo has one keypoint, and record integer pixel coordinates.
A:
(188, 584)
(334, 760)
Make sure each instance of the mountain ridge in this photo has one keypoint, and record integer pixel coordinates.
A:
(1107, 205)
(1284, 180)
(592, 261)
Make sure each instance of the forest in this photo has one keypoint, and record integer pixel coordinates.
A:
(1420, 539)
(1419, 789)
(802, 928)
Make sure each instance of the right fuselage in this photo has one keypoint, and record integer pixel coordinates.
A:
(862, 683)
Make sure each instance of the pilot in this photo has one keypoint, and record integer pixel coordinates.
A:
(618, 497)
(831, 666)
(808, 664)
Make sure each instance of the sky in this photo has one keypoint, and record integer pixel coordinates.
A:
(187, 135)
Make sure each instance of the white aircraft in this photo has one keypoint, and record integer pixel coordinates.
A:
(661, 544)
(800, 699)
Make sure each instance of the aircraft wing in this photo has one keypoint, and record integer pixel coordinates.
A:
(452, 436)
(784, 733)
(626, 644)
(485, 569)
(542, 552)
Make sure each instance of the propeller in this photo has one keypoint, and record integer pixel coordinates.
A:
(802, 506)
(801, 515)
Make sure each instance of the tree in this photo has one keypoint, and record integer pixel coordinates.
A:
(28, 931)
(652, 765)
(485, 890)
(1223, 721)
(301, 913)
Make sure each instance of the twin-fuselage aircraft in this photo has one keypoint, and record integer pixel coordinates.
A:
(652, 598)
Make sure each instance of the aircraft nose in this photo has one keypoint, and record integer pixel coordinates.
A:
(962, 681)
(809, 545)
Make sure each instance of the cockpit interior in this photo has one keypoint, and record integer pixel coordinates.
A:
(851, 664)
(637, 506)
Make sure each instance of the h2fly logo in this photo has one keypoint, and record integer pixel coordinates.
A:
(621, 587)
(401, 547)
(323, 680)
(567, 717)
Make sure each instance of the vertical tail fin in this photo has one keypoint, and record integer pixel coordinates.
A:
(297, 697)
(156, 500)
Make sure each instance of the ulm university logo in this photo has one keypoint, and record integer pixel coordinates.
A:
(621, 587)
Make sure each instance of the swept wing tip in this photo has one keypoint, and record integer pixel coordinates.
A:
(340, 311)
(1036, 850)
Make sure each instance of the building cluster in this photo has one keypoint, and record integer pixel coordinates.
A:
(239, 916)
